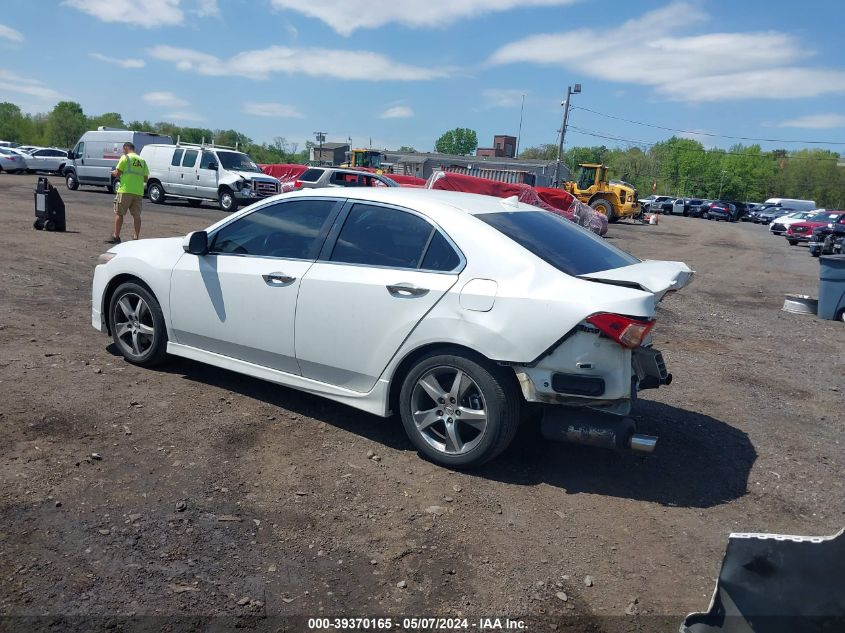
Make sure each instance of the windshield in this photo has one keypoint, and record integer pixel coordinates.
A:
(558, 241)
(236, 161)
(823, 217)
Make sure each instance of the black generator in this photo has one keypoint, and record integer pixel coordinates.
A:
(49, 207)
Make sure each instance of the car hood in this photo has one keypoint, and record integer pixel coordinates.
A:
(656, 277)
(254, 175)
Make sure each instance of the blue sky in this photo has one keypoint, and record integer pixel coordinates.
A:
(403, 71)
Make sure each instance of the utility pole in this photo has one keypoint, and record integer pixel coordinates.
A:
(570, 90)
(721, 178)
(519, 134)
(321, 137)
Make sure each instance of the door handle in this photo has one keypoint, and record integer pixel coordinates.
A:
(278, 279)
(406, 291)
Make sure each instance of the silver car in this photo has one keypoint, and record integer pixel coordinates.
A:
(317, 177)
(11, 161)
(46, 159)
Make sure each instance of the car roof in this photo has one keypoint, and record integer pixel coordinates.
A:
(422, 200)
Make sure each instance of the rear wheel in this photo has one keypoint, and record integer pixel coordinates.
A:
(457, 410)
(792, 242)
(37, 225)
(137, 325)
(156, 193)
(49, 225)
(603, 206)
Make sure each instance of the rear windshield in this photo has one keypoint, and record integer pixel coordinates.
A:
(311, 175)
(558, 241)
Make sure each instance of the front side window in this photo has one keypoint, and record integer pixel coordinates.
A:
(79, 151)
(381, 236)
(207, 160)
(292, 229)
(558, 241)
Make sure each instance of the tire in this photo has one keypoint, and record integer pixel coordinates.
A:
(71, 181)
(603, 206)
(156, 194)
(114, 186)
(449, 440)
(194, 203)
(49, 225)
(815, 253)
(138, 331)
(792, 242)
(228, 201)
(37, 225)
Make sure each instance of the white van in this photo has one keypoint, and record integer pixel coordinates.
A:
(794, 205)
(198, 173)
(96, 154)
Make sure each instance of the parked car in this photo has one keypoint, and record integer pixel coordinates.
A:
(700, 210)
(659, 204)
(792, 203)
(318, 177)
(95, 156)
(46, 159)
(769, 214)
(454, 310)
(779, 225)
(722, 211)
(682, 206)
(12, 161)
(802, 231)
(828, 239)
(28, 148)
(201, 173)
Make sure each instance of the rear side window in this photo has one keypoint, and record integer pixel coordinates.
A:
(381, 236)
(558, 241)
(190, 158)
(292, 229)
(440, 255)
(177, 158)
(311, 175)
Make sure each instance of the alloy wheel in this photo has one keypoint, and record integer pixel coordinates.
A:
(133, 325)
(449, 410)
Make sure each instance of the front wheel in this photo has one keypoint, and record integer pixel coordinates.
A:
(603, 206)
(227, 200)
(71, 181)
(137, 325)
(156, 193)
(457, 410)
(792, 242)
(114, 186)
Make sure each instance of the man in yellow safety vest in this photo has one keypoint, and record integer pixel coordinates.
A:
(132, 172)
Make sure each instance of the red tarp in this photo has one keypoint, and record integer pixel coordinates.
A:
(407, 181)
(284, 172)
(553, 200)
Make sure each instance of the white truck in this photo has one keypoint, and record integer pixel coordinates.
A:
(203, 173)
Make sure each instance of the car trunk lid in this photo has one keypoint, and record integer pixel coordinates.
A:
(657, 277)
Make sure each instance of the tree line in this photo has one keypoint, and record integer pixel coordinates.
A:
(684, 167)
(66, 122)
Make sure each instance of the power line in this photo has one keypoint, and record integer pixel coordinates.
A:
(767, 155)
(712, 134)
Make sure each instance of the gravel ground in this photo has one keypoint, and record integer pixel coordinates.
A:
(206, 497)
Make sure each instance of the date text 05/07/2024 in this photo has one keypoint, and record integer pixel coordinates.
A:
(417, 624)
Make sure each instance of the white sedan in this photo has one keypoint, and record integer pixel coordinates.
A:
(46, 159)
(453, 310)
(779, 225)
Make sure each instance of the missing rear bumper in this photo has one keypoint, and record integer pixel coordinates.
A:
(583, 426)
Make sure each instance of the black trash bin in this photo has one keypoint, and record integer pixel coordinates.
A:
(49, 207)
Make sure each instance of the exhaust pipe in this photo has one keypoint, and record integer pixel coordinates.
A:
(562, 424)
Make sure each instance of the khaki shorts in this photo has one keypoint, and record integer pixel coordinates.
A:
(124, 202)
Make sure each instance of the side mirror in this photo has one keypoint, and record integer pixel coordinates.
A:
(196, 243)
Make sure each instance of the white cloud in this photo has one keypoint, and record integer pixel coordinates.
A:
(502, 98)
(708, 67)
(207, 9)
(397, 112)
(345, 17)
(280, 110)
(183, 115)
(814, 121)
(146, 13)
(125, 63)
(165, 100)
(10, 82)
(316, 62)
(8, 33)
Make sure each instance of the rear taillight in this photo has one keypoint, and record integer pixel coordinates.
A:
(624, 330)
(297, 184)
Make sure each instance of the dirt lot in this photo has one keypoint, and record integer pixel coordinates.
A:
(285, 513)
